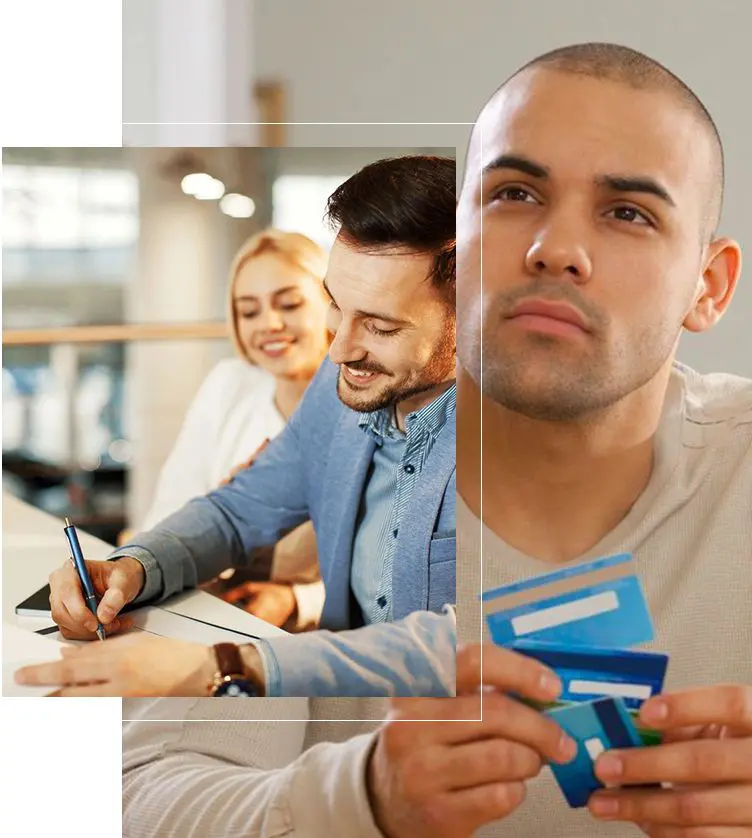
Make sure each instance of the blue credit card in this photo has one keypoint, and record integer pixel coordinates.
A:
(600, 603)
(589, 673)
(597, 726)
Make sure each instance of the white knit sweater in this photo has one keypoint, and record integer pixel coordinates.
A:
(222, 769)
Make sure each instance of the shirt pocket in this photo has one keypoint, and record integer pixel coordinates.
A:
(442, 572)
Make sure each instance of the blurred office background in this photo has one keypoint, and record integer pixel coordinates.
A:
(115, 298)
(392, 64)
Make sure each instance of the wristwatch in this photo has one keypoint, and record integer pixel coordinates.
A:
(232, 678)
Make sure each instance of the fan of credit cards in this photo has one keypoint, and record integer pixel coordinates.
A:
(582, 622)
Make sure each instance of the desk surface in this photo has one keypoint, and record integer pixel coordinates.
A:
(34, 545)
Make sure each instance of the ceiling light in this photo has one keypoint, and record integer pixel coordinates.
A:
(237, 206)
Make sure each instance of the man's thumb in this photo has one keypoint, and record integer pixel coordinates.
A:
(112, 601)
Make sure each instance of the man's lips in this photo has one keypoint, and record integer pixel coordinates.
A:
(358, 376)
(544, 314)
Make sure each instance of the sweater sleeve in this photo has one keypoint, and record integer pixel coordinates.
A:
(237, 767)
(187, 469)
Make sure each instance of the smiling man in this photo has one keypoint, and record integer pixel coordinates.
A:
(369, 455)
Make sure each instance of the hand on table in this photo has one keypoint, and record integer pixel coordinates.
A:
(139, 664)
(706, 755)
(116, 583)
(268, 601)
(446, 777)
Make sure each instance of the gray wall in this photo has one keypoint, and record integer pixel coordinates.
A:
(425, 61)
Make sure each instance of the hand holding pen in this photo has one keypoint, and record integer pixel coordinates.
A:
(77, 557)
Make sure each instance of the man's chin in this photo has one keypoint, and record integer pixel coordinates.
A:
(363, 399)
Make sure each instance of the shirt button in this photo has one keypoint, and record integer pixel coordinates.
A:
(394, 532)
(381, 601)
(409, 468)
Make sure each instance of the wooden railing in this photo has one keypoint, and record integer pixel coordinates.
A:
(115, 334)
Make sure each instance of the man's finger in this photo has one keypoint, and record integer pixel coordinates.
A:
(656, 831)
(237, 594)
(103, 689)
(505, 670)
(489, 761)
(700, 761)
(727, 704)
(65, 672)
(483, 804)
(502, 718)
(715, 806)
(71, 629)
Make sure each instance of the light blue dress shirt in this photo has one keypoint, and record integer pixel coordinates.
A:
(396, 466)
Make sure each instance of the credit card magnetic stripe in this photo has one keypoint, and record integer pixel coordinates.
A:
(588, 672)
(597, 726)
(600, 603)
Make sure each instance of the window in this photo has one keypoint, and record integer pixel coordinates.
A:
(300, 202)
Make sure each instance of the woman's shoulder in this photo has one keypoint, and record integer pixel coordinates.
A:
(233, 378)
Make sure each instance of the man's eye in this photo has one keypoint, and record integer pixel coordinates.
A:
(513, 193)
(248, 315)
(631, 215)
(383, 332)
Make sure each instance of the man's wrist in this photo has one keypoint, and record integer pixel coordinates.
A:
(254, 666)
(372, 782)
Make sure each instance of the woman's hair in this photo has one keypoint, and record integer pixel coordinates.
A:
(294, 248)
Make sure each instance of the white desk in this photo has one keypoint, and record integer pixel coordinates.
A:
(34, 545)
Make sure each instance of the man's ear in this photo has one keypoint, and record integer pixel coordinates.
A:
(716, 286)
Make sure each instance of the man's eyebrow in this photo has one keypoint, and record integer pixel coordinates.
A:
(375, 315)
(636, 183)
(518, 162)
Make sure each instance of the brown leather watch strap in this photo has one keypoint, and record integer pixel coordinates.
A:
(229, 660)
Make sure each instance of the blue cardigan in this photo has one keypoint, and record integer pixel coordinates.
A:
(316, 468)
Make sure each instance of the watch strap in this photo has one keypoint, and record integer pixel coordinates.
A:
(229, 660)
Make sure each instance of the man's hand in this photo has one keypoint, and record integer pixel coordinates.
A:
(266, 600)
(116, 583)
(137, 665)
(706, 756)
(448, 773)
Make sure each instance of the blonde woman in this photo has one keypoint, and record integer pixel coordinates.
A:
(277, 314)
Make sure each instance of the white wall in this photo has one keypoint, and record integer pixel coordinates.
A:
(427, 61)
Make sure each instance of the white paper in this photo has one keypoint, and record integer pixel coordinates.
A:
(23, 648)
(167, 624)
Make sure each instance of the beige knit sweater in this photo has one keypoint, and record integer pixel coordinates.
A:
(222, 767)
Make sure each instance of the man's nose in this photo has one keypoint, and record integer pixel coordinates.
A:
(559, 253)
(344, 346)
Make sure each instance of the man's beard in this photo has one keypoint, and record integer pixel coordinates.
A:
(542, 383)
(439, 368)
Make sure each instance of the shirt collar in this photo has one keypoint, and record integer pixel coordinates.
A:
(430, 418)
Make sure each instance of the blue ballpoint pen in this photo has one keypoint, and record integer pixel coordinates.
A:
(83, 573)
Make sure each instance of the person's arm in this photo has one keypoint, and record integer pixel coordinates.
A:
(414, 656)
(222, 529)
(223, 776)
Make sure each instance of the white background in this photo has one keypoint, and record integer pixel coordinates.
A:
(60, 83)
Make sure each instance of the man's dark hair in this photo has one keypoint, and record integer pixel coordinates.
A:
(402, 203)
(627, 66)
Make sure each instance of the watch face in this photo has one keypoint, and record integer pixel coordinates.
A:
(237, 688)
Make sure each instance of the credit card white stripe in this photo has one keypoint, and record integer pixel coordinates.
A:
(568, 612)
(594, 747)
(579, 687)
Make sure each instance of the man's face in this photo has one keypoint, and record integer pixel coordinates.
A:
(394, 335)
(572, 230)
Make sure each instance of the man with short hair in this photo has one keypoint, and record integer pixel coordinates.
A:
(591, 195)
